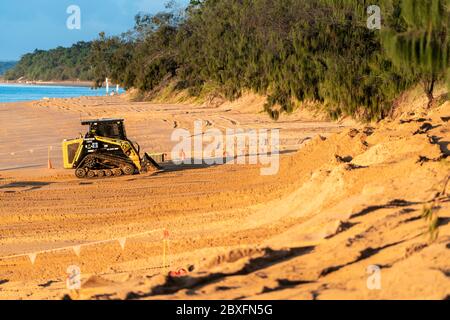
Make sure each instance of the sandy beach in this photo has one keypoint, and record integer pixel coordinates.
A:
(348, 198)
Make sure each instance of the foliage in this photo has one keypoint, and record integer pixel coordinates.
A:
(418, 40)
(293, 51)
(56, 64)
(5, 66)
(430, 215)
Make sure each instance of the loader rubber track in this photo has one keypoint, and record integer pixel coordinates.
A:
(102, 165)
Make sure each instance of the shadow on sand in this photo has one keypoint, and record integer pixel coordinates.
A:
(31, 185)
(170, 166)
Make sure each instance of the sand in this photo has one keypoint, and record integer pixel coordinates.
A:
(347, 198)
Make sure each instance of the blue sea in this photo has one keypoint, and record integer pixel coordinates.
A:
(17, 92)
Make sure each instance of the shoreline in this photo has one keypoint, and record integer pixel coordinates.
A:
(85, 93)
(52, 99)
(69, 83)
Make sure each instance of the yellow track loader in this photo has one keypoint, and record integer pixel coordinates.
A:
(106, 151)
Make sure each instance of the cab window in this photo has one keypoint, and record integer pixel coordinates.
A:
(108, 130)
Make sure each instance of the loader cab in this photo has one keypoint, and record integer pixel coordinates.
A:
(108, 128)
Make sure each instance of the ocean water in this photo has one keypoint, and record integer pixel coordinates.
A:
(16, 92)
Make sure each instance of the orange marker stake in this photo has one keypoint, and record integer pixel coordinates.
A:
(49, 163)
(182, 155)
(165, 249)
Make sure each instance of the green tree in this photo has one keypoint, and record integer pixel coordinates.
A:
(56, 64)
(418, 40)
(292, 51)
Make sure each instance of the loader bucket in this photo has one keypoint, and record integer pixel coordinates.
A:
(150, 162)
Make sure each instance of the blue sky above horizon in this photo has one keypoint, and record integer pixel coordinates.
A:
(41, 24)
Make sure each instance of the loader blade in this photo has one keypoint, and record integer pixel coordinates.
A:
(149, 164)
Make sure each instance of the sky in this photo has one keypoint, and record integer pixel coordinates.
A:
(27, 25)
